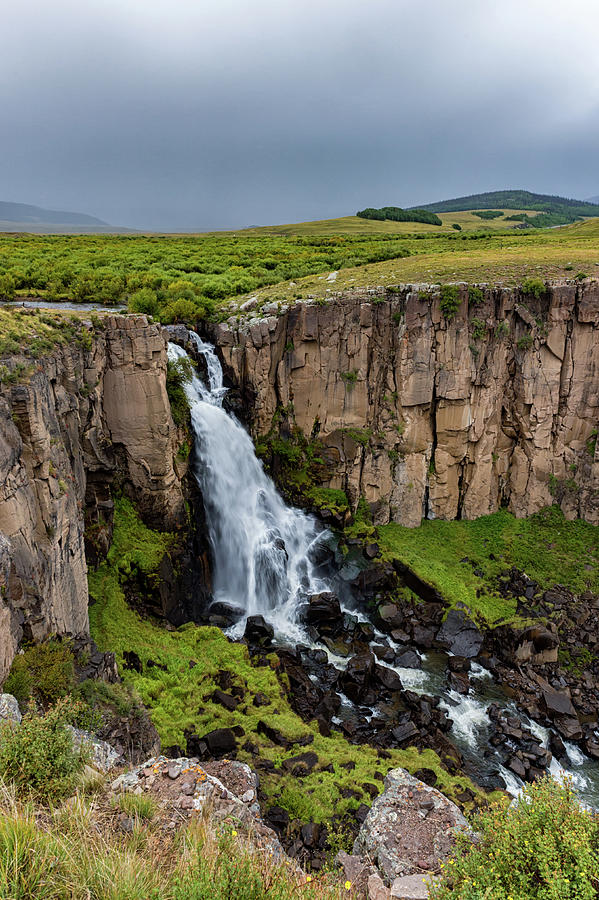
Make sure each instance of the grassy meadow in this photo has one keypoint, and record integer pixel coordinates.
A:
(191, 277)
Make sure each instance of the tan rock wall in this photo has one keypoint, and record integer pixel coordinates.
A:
(97, 413)
(457, 425)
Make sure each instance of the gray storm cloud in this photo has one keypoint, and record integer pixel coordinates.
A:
(188, 114)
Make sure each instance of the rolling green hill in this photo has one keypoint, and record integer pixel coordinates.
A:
(515, 199)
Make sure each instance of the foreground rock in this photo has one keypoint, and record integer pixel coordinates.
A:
(410, 829)
(9, 709)
(228, 788)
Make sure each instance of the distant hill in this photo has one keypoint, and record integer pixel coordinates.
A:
(593, 199)
(516, 199)
(24, 217)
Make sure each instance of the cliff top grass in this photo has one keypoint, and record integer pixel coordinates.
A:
(189, 277)
(34, 332)
(448, 556)
(475, 257)
(180, 695)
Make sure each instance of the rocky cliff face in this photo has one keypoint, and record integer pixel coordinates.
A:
(429, 417)
(85, 418)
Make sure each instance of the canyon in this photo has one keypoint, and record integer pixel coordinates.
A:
(419, 414)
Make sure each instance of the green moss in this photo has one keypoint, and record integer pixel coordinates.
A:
(546, 546)
(359, 435)
(329, 498)
(180, 697)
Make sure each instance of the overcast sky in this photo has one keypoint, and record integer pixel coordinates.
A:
(185, 113)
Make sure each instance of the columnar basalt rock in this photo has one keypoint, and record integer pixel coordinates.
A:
(84, 417)
(426, 417)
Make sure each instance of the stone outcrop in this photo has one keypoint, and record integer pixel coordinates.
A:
(425, 417)
(227, 790)
(410, 829)
(87, 416)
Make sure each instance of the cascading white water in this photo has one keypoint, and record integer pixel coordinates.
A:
(261, 547)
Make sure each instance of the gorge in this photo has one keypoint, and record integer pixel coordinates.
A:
(378, 405)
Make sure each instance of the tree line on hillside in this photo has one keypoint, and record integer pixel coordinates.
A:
(397, 214)
(546, 203)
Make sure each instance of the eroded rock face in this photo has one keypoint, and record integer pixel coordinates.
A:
(425, 417)
(83, 416)
(410, 828)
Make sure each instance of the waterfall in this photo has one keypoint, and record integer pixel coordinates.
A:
(261, 547)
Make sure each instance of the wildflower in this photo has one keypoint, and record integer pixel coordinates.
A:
(348, 885)
(308, 878)
(234, 833)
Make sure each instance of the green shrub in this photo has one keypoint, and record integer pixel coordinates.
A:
(479, 329)
(38, 756)
(350, 378)
(502, 329)
(450, 300)
(179, 372)
(7, 286)
(545, 848)
(525, 342)
(144, 301)
(534, 287)
(44, 671)
(456, 227)
(475, 295)
(181, 310)
(581, 276)
(489, 213)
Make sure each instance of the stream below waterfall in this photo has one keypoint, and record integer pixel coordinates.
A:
(264, 557)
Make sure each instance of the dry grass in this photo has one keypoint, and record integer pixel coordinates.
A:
(77, 851)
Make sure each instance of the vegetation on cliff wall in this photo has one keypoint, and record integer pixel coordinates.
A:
(34, 333)
(182, 668)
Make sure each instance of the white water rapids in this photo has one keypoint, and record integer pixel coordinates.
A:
(261, 547)
(262, 565)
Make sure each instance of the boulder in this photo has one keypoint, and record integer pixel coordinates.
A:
(258, 631)
(408, 659)
(411, 887)
(390, 616)
(9, 709)
(558, 703)
(103, 757)
(355, 680)
(460, 635)
(410, 828)
(324, 613)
